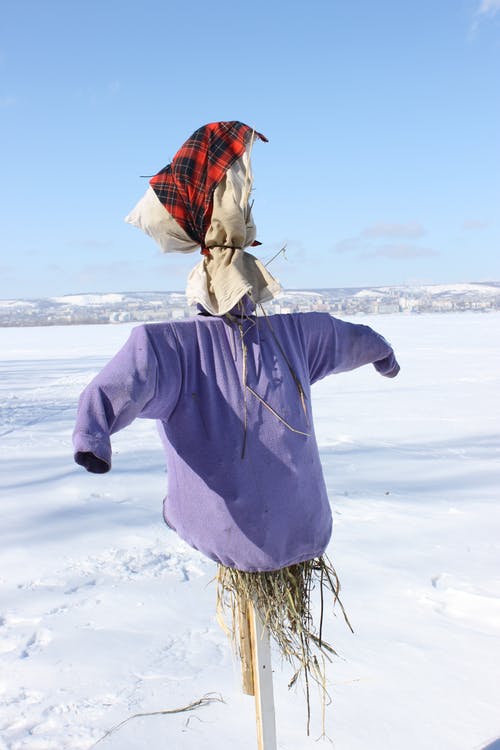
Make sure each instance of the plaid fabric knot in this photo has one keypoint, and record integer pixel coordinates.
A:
(186, 186)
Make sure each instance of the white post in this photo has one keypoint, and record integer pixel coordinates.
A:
(263, 681)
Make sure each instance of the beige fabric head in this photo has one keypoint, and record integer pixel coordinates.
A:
(231, 224)
(222, 279)
(152, 217)
(219, 282)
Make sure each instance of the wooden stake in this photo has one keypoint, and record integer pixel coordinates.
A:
(262, 681)
(245, 647)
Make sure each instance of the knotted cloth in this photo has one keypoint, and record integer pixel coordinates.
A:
(186, 186)
(201, 200)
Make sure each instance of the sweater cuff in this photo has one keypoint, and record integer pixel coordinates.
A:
(93, 453)
(388, 367)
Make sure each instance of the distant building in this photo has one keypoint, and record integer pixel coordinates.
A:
(388, 306)
(176, 313)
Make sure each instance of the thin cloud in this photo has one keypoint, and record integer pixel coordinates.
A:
(474, 224)
(349, 245)
(402, 252)
(114, 87)
(410, 230)
(7, 102)
(489, 7)
(369, 243)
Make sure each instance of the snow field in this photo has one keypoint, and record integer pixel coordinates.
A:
(104, 612)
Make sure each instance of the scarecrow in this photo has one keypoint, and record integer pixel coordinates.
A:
(230, 389)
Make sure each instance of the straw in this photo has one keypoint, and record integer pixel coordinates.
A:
(283, 600)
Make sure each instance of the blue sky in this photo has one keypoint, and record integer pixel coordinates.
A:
(383, 120)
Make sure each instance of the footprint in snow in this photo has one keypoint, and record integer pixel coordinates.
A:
(36, 643)
(80, 586)
(10, 638)
(460, 601)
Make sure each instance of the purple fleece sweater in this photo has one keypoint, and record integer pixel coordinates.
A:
(245, 484)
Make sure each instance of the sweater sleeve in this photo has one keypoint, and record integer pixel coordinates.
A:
(137, 382)
(335, 346)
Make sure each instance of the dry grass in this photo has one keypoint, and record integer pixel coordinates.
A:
(283, 600)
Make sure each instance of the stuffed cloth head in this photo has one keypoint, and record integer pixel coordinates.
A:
(225, 277)
(201, 200)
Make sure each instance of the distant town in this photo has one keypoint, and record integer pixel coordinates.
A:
(127, 307)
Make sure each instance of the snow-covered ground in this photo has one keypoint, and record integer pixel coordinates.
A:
(104, 612)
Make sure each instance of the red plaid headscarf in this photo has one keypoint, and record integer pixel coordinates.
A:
(186, 186)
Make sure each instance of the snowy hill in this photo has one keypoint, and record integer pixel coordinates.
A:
(149, 306)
